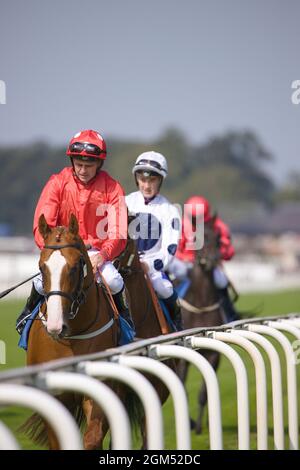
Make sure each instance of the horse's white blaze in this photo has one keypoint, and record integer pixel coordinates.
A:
(55, 264)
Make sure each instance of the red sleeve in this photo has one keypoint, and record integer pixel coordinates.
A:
(48, 204)
(226, 249)
(116, 239)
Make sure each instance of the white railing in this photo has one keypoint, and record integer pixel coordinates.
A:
(29, 386)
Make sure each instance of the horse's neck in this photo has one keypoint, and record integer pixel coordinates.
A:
(87, 310)
(202, 289)
(141, 302)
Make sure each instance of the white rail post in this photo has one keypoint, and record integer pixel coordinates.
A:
(211, 382)
(101, 394)
(177, 391)
(57, 416)
(7, 439)
(287, 327)
(276, 377)
(291, 379)
(143, 388)
(295, 331)
(294, 321)
(261, 383)
(241, 383)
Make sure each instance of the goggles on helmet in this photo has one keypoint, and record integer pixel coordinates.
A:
(89, 149)
(150, 163)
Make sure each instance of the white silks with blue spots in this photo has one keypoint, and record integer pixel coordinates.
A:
(156, 229)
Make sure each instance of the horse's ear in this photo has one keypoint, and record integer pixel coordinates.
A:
(44, 228)
(73, 225)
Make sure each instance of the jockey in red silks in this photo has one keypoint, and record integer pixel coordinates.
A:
(184, 257)
(98, 202)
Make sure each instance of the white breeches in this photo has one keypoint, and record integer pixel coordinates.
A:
(162, 286)
(112, 277)
(38, 284)
(179, 269)
(110, 274)
(220, 278)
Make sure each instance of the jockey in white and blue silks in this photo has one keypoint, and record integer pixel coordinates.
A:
(156, 228)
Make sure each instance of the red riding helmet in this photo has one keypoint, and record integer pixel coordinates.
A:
(87, 145)
(198, 205)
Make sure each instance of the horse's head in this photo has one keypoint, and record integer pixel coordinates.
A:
(64, 265)
(209, 255)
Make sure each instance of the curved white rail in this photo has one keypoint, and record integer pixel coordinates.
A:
(7, 439)
(211, 382)
(58, 417)
(145, 391)
(177, 391)
(241, 382)
(291, 379)
(276, 378)
(101, 394)
(261, 383)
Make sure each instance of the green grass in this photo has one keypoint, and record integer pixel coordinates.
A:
(270, 304)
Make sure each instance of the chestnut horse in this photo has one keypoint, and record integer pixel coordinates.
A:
(68, 314)
(201, 306)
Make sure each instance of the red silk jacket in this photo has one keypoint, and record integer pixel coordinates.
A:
(226, 248)
(99, 207)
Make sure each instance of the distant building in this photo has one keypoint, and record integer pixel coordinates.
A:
(284, 218)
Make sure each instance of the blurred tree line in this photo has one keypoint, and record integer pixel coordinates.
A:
(230, 170)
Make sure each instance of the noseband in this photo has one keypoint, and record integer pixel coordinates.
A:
(78, 297)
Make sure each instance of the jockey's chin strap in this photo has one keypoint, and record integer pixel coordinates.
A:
(78, 296)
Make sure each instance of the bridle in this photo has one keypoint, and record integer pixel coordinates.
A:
(78, 296)
(206, 262)
(127, 269)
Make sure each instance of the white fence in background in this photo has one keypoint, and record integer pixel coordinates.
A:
(32, 386)
(246, 276)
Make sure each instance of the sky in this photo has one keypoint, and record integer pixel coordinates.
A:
(133, 68)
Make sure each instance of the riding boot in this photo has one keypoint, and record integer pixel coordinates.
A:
(229, 310)
(173, 306)
(122, 306)
(31, 303)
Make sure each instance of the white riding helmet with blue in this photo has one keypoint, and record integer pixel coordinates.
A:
(151, 162)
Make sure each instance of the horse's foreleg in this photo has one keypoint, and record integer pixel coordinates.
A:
(182, 370)
(97, 425)
(52, 439)
(143, 433)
